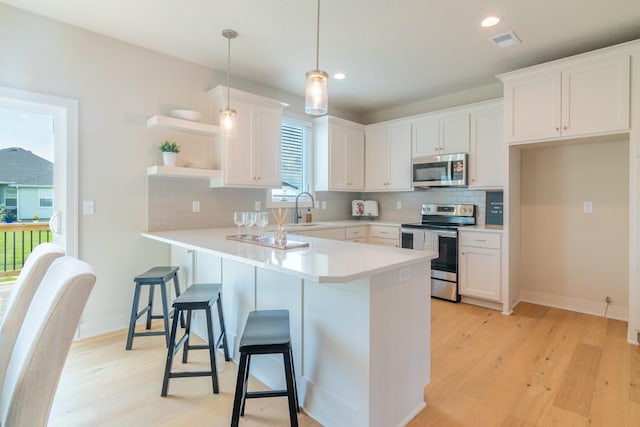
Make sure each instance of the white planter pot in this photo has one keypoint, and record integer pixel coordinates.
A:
(169, 158)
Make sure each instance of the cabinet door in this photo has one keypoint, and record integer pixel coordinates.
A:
(426, 137)
(337, 157)
(399, 157)
(479, 273)
(376, 159)
(267, 146)
(487, 155)
(454, 133)
(595, 97)
(238, 150)
(533, 107)
(355, 159)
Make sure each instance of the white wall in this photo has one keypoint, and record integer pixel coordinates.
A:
(118, 86)
(570, 258)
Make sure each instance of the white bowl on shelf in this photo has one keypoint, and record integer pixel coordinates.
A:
(194, 116)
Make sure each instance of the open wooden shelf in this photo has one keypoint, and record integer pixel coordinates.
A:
(181, 125)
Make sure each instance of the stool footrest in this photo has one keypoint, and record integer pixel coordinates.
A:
(199, 347)
(148, 334)
(265, 393)
(190, 374)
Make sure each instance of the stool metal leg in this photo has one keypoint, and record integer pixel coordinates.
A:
(176, 286)
(293, 406)
(295, 383)
(165, 311)
(134, 317)
(152, 288)
(212, 352)
(245, 383)
(170, 353)
(223, 330)
(240, 390)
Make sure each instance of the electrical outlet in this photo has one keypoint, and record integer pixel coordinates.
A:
(88, 207)
(404, 274)
(256, 206)
(398, 204)
(588, 207)
(195, 206)
(324, 204)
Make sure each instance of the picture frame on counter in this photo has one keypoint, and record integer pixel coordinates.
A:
(494, 209)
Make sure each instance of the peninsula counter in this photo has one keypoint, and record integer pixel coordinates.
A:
(360, 318)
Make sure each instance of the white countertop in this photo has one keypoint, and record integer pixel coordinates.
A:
(324, 261)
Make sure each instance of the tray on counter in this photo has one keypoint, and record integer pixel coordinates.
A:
(268, 241)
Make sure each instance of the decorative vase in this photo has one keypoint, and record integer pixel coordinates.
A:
(280, 235)
(169, 158)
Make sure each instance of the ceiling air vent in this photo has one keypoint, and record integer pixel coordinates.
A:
(505, 39)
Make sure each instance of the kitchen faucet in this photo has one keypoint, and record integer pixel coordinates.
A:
(296, 214)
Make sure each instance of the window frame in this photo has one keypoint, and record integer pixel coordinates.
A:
(307, 158)
(41, 197)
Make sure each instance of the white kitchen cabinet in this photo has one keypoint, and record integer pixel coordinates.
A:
(251, 158)
(384, 235)
(388, 157)
(339, 154)
(326, 233)
(574, 98)
(441, 133)
(488, 149)
(356, 234)
(479, 263)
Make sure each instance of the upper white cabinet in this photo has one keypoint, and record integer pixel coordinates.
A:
(339, 154)
(252, 157)
(487, 154)
(581, 97)
(441, 133)
(388, 157)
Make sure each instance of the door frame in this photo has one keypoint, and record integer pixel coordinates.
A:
(65, 130)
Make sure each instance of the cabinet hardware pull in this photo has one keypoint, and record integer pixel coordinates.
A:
(480, 240)
(557, 127)
(565, 127)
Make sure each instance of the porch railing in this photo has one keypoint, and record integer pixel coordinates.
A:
(17, 240)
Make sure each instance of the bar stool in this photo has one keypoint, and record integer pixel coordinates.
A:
(266, 332)
(196, 297)
(156, 276)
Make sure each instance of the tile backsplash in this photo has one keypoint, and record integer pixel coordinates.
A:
(170, 203)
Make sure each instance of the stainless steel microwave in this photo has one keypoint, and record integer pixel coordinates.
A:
(447, 170)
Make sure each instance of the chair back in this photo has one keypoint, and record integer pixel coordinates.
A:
(24, 288)
(43, 343)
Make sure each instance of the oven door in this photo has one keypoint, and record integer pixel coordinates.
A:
(444, 268)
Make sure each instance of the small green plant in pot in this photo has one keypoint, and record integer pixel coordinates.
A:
(169, 152)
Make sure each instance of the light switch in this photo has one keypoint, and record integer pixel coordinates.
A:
(256, 206)
(324, 204)
(195, 206)
(588, 207)
(88, 207)
(398, 204)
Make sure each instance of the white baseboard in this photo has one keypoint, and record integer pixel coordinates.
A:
(614, 311)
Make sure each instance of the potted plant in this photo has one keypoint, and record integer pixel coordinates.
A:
(169, 152)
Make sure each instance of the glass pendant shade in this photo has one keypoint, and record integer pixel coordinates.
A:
(228, 122)
(316, 95)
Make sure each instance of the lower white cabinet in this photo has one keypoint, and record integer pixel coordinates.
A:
(356, 234)
(327, 233)
(479, 263)
(384, 235)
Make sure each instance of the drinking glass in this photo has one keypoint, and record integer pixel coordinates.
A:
(239, 219)
(251, 219)
(263, 220)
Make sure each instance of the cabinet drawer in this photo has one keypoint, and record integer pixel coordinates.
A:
(331, 233)
(384, 232)
(384, 242)
(480, 240)
(356, 232)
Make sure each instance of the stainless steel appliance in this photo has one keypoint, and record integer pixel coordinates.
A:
(447, 170)
(438, 231)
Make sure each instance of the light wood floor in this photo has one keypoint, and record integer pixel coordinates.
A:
(539, 367)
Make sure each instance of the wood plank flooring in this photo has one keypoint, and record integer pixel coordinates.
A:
(539, 367)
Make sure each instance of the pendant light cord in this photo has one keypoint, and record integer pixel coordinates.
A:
(229, 68)
(318, 38)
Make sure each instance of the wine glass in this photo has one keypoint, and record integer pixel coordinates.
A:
(251, 219)
(262, 221)
(239, 219)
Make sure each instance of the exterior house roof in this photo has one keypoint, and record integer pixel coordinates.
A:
(21, 167)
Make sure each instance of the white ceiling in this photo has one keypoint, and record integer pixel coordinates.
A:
(393, 52)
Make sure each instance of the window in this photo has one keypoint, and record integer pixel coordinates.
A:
(295, 146)
(45, 198)
(11, 199)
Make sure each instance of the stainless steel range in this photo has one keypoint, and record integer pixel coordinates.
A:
(438, 231)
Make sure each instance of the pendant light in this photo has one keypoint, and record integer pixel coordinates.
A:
(316, 97)
(228, 115)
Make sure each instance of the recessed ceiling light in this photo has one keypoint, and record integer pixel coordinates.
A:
(339, 76)
(490, 21)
